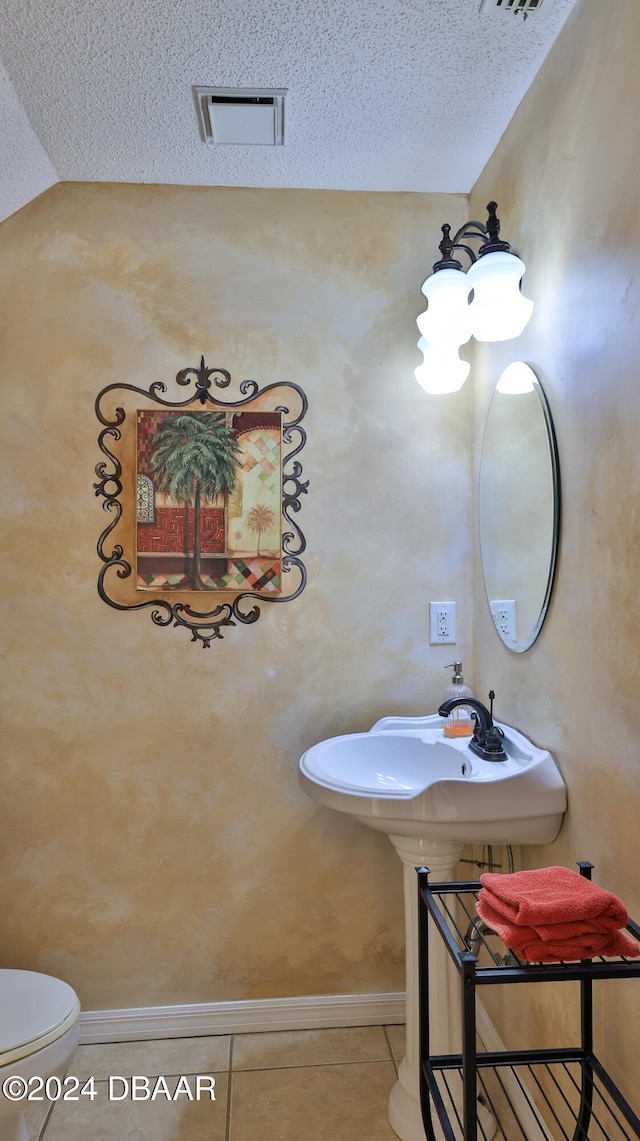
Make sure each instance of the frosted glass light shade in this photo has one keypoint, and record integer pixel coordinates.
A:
(498, 310)
(442, 370)
(447, 320)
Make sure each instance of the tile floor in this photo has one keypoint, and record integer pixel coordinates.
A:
(294, 1085)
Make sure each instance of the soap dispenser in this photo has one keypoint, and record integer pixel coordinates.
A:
(459, 723)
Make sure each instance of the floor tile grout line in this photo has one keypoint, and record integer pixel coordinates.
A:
(227, 1124)
(314, 1065)
(338, 1062)
(46, 1121)
(184, 1073)
(392, 1055)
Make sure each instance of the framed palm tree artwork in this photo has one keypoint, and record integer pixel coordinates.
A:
(209, 489)
(203, 493)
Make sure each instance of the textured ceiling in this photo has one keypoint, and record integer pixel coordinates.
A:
(383, 94)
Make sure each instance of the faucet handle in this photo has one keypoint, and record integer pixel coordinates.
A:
(493, 740)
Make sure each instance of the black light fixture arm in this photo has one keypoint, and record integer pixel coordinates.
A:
(487, 235)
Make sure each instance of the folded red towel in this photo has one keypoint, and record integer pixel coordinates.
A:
(557, 941)
(609, 946)
(554, 895)
(547, 933)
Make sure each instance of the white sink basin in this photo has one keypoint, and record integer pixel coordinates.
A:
(405, 778)
(432, 796)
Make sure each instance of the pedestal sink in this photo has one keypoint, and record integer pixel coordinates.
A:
(432, 796)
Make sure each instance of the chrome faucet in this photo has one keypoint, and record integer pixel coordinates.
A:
(487, 738)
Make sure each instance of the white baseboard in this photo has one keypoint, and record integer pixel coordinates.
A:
(307, 1012)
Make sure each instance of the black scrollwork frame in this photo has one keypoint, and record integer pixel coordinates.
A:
(205, 626)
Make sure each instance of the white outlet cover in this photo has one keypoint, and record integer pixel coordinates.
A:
(504, 616)
(442, 623)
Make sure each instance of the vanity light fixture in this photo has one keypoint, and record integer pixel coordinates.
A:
(485, 302)
(442, 370)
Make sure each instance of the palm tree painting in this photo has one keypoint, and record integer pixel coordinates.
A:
(194, 459)
(209, 492)
(260, 518)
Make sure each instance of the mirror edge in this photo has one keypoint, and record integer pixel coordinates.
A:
(526, 644)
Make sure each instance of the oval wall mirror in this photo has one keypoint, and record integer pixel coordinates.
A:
(519, 506)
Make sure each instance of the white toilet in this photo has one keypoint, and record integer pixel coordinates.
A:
(38, 1035)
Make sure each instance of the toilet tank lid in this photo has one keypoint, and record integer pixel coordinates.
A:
(33, 1006)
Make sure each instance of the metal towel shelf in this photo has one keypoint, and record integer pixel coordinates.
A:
(561, 1094)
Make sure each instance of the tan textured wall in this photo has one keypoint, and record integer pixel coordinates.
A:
(156, 847)
(566, 176)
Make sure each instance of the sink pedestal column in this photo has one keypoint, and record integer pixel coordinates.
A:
(405, 1115)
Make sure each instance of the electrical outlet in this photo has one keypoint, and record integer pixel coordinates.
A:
(504, 616)
(442, 623)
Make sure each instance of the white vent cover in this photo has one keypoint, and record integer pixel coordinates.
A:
(525, 7)
(241, 116)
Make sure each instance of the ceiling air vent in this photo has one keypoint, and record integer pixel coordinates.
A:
(241, 116)
(524, 7)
